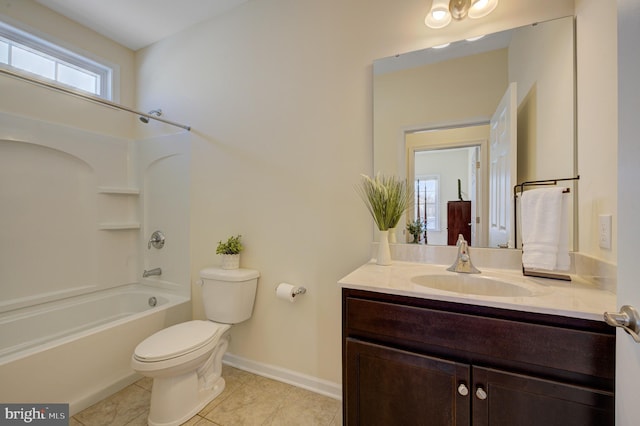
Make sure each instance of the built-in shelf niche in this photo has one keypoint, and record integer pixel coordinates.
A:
(118, 226)
(119, 208)
(118, 190)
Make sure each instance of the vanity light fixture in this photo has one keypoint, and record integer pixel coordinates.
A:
(443, 11)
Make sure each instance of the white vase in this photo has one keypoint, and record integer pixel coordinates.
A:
(230, 261)
(392, 236)
(384, 252)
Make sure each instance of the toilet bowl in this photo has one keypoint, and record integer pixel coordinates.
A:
(185, 360)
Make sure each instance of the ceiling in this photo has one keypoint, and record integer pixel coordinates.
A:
(139, 23)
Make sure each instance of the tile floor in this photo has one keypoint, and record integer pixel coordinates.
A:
(248, 399)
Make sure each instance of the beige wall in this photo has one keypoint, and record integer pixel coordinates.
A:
(429, 97)
(541, 61)
(596, 23)
(279, 94)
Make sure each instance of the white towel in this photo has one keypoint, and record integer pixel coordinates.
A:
(545, 230)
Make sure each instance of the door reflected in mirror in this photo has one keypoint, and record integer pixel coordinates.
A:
(446, 167)
(459, 88)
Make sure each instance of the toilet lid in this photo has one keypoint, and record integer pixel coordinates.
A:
(178, 340)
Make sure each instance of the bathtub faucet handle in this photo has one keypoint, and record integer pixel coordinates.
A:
(156, 240)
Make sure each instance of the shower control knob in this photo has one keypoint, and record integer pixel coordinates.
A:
(156, 240)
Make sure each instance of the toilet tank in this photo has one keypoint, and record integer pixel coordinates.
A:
(228, 294)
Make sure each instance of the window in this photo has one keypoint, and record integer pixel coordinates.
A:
(427, 194)
(26, 53)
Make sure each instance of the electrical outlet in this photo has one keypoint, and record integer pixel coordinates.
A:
(604, 231)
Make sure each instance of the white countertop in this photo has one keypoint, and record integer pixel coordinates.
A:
(577, 298)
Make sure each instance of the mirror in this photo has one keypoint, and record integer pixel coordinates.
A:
(431, 104)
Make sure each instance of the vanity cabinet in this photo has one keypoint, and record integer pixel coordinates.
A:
(412, 361)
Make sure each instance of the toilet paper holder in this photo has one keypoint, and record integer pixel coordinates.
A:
(289, 292)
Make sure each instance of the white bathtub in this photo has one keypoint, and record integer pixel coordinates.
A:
(78, 350)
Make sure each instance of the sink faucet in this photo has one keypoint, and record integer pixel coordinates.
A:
(150, 272)
(463, 260)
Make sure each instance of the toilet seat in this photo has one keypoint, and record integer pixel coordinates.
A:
(178, 340)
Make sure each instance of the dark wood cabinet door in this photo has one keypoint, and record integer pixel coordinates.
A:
(387, 387)
(519, 400)
(458, 221)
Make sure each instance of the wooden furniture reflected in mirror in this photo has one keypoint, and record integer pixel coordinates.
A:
(458, 221)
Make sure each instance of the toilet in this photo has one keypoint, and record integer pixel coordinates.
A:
(185, 360)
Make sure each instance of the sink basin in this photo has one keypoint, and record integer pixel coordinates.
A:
(473, 284)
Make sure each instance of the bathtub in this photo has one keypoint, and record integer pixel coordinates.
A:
(77, 350)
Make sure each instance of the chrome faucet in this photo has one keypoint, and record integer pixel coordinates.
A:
(150, 272)
(463, 260)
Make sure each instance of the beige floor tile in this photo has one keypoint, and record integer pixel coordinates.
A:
(337, 420)
(205, 422)
(145, 383)
(251, 404)
(192, 421)
(247, 400)
(74, 422)
(236, 374)
(234, 379)
(119, 409)
(199, 421)
(141, 420)
(269, 385)
(305, 408)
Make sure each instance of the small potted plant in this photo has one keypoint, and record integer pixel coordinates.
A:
(386, 198)
(415, 228)
(230, 251)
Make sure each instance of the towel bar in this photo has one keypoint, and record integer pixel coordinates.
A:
(545, 274)
(531, 183)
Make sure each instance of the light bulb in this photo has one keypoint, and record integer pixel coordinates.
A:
(481, 8)
(480, 4)
(438, 15)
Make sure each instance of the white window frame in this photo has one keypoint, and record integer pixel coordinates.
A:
(436, 221)
(29, 41)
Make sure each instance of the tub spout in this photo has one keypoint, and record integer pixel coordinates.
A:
(150, 272)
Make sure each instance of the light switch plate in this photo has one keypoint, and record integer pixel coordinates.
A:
(604, 231)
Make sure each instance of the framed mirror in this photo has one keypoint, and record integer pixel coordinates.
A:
(433, 112)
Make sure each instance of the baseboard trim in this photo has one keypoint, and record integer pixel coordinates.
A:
(314, 384)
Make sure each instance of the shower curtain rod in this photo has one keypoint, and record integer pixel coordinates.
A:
(91, 98)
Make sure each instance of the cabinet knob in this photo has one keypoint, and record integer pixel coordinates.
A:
(463, 390)
(481, 393)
